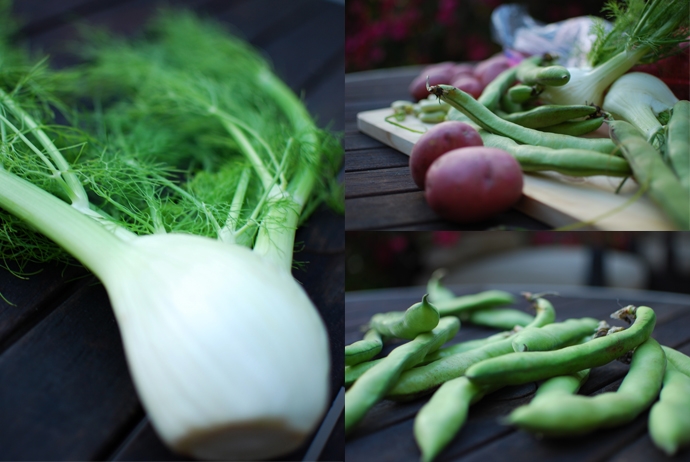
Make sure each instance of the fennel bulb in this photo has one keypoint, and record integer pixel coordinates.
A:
(643, 31)
(638, 98)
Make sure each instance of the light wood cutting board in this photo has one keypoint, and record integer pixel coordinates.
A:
(555, 199)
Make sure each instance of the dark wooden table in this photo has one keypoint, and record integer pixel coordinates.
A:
(379, 191)
(386, 433)
(65, 391)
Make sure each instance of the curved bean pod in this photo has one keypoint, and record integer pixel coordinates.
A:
(575, 127)
(464, 346)
(669, 418)
(486, 299)
(650, 171)
(573, 162)
(365, 349)
(532, 74)
(374, 383)
(678, 359)
(491, 122)
(436, 290)
(420, 317)
(523, 93)
(497, 318)
(352, 373)
(569, 415)
(439, 420)
(524, 367)
(554, 335)
(550, 114)
(425, 379)
(491, 96)
(560, 385)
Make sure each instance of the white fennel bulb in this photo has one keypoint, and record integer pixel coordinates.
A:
(638, 98)
(229, 356)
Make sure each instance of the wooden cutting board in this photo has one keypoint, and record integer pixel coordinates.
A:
(555, 199)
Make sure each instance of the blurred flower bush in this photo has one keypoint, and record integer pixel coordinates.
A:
(390, 33)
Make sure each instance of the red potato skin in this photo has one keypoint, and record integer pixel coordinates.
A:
(469, 85)
(472, 184)
(437, 76)
(437, 141)
(488, 70)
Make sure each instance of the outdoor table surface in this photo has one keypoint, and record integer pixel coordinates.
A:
(65, 391)
(379, 191)
(386, 432)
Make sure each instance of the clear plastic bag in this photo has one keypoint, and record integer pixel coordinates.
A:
(513, 28)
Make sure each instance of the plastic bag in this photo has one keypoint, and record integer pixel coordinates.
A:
(513, 28)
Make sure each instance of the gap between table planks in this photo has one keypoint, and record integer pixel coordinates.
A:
(555, 199)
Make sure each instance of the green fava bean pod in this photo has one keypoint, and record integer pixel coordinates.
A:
(465, 346)
(651, 172)
(678, 359)
(669, 418)
(554, 335)
(365, 349)
(561, 385)
(575, 127)
(487, 299)
(495, 124)
(352, 373)
(439, 420)
(572, 415)
(425, 379)
(532, 74)
(678, 141)
(523, 367)
(420, 317)
(436, 290)
(373, 385)
(523, 93)
(572, 162)
(491, 96)
(548, 115)
(497, 318)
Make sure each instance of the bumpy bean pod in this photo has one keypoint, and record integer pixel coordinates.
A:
(650, 171)
(465, 346)
(373, 385)
(560, 385)
(491, 96)
(486, 299)
(436, 290)
(678, 359)
(493, 123)
(573, 162)
(425, 379)
(352, 373)
(678, 142)
(439, 420)
(669, 418)
(532, 74)
(497, 318)
(365, 349)
(569, 415)
(554, 335)
(517, 368)
(523, 93)
(420, 317)
(575, 127)
(547, 115)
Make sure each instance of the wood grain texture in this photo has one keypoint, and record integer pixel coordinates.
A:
(65, 393)
(386, 432)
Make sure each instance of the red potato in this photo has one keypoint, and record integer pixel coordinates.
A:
(437, 141)
(462, 69)
(441, 75)
(489, 69)
(469, 84)
(472, 184)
